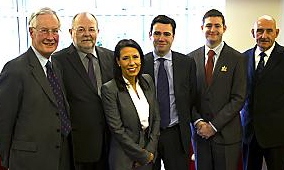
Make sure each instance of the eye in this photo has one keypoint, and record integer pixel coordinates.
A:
(80, 29)
(92, 30)
(136, 56)
(124, 58)
(157, 33)
(167, 34)
(44, 30)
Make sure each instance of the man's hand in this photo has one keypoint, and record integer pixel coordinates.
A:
(205, 130)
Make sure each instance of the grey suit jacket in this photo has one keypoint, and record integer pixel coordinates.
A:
(30, 137)
(87, 116)
(221, 102)
(127, 138)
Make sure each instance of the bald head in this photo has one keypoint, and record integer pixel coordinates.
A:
(84, 31)
(265, 32)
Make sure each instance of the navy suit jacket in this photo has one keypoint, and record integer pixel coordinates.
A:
(263, 112)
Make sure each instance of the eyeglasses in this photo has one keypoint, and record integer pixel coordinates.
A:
(81, 30)
(46, 31)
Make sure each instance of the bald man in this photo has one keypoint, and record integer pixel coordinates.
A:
(89, 132)
(263, 112)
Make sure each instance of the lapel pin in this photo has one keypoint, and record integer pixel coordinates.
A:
(224, 69)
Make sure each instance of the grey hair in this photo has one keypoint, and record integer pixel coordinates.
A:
(41, 11)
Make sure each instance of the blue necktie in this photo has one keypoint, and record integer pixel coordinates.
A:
(260, 66)
(163, 94)
(54, 84)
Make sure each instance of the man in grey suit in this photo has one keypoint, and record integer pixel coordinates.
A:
(221, 90)
(87, 116)
(32, 115)
(174, 141)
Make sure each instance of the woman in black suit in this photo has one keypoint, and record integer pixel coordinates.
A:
(131, 110)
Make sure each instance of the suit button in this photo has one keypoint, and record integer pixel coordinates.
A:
(57, 114)
(57, 130)
(57, 146)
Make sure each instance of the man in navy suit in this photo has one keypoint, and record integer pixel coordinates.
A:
(87, 116)
(175, 138)
(263, 113)
(220, 96)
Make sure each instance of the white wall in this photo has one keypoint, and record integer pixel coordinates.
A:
(240, 16)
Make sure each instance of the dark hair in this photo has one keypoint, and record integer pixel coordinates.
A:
(164, 20)
(117, 69)
(213, 13)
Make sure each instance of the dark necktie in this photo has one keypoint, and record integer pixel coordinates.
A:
(91, 71)
(260, 65)
(209, 67)
(163, 94)
(54, 83)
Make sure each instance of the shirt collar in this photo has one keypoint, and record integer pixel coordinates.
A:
(168, 56)
(267, 52)
(217, 49)
(41, 58)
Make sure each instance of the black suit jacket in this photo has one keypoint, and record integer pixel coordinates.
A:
(30, 136)
(184, 80)
(263, 113)
(86, 108)
(221, 102)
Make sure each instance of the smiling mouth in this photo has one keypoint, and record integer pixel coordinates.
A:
(49, 43)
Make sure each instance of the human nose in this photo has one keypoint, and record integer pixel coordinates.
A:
(264, 34)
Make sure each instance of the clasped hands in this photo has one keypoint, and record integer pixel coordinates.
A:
(204, 129)
(150, 159)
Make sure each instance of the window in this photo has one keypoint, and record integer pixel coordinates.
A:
(122, 19)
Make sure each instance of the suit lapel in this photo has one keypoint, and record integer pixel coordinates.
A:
(200, 67)
(76, 62)
(39, 75)
(272, 62)
(150, 65)
(148, 94)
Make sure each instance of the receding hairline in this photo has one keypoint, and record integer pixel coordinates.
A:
(82, 14)
(265, 17)
(41, 11)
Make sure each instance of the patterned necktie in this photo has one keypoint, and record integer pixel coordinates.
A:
(91, 71)
(163, 94)
(54, 84)
(260, 65)
(209, 67)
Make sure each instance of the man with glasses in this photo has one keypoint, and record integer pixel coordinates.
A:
(34, 120)
(85, 68)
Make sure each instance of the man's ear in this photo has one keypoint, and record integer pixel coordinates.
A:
(252, 33)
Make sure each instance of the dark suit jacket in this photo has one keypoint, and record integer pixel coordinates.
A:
(184, 90)
(221, 102)
(86, 108)
(127, 138)
(30, 134)
(265, 100)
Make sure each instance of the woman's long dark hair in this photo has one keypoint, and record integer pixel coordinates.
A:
(117, 69)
